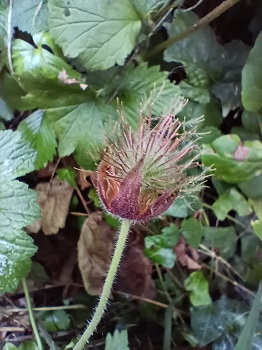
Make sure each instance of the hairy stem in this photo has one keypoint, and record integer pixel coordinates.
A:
(31, 316)
(200, 24)
(120, 245)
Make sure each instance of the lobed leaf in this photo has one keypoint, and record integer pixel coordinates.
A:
(36, 129)
(99, 33)
(18, 208)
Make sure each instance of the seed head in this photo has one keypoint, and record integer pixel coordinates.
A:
(143, 172)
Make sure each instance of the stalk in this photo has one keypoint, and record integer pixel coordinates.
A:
(100, 309)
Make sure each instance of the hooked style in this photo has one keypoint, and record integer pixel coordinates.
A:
(143, 172)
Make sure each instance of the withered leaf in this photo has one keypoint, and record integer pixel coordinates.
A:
(95, 249)
(54, 199)
(186, 255)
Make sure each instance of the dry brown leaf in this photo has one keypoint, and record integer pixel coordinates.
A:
(186, 255)
(54, 200)
(135, 274)
(95, 249)
(81, 178)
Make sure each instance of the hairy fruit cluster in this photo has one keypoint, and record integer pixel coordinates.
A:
(143, 172)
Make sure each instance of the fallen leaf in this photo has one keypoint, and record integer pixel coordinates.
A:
(81, 178)
(186, 255)
(95, 249)
(54, 199)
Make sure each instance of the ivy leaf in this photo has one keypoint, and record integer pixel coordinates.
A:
(39, 133)
(30, 16)
(55, 320)
(192, 230)
(199, 52)
(252, 188)
(197, 285)
(117, 341)
(231, 200)
(228, 88)
(9, 346)
(160, 248)
(99, 33)
(233, 160)
(205, 324)
(18, 208)
(252, 78)
(257, 226)
(222, 238)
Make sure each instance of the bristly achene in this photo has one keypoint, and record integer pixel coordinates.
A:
(143, 172)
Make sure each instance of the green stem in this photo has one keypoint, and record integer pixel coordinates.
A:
(120, 245)
(31, 315)
(225, 5)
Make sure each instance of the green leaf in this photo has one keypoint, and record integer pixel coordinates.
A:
(257, 226)
(252, 78)
(39, 133)
(30, 16)
(160, 248)
(28, 345)
(222, 238)
(38, 72)
(197, 285)
(205, 324)
(184, 207)
(117, 341)
(231, 200)
(192, 230)
(134, 85)
(99, 33)
(245, 340)
(194, 93)
(252, 188)
(6, 113)
(69, 175)
(228, 88)
(233, 160)
(55, 320)
(252, 121)
(18, 208)
(9, 346)
(199, 52)
(95, 198)
(3, 36)
(16, 156)
(80, 128)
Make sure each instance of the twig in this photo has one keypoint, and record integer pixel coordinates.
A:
(136, 297)
(47, 308)
(225, 5)
(31, 315)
